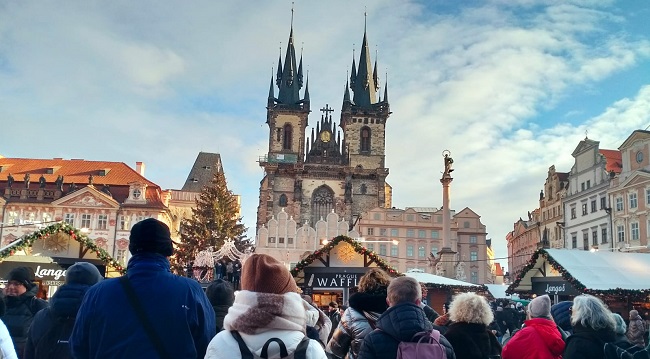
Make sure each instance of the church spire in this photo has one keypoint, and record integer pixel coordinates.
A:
(271, 99)
(364, 86)
(290, 80)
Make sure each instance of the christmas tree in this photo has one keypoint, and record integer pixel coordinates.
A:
(214, 220)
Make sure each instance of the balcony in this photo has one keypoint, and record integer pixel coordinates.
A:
(278, 158)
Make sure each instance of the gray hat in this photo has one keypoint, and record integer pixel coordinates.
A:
(540, 307)
(83, 273)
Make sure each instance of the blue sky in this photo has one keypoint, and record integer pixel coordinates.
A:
(508, 86)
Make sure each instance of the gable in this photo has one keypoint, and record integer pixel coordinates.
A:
(583, 146)
(636, 136)
(637, 178)
(87, 197)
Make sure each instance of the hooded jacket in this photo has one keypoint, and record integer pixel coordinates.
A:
(398, 324)
(539, 339)
(19, 316)
(357, 322)
(472, 340)
(108, 327)
(636, 329)
(586, 343)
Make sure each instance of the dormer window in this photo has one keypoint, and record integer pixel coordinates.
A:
(137, 193)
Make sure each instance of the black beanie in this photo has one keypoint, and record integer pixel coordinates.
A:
(23, 275)
(83, 273)
(150, 236)
(220, 292)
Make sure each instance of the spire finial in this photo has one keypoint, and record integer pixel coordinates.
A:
(292, 3)
(586, 134)
(365, 18)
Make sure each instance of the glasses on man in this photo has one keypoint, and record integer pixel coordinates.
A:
(14, 283)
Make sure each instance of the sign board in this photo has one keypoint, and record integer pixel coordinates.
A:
(47, 273)
(333, 277)
(552, 286)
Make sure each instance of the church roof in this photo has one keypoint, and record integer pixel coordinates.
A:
(201, 174)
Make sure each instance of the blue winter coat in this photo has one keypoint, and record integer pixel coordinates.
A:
(107, 326)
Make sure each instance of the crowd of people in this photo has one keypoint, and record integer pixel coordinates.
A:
(152, 313)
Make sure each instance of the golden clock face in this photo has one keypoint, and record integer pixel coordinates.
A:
(325, 136)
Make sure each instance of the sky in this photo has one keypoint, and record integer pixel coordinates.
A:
(509, 87)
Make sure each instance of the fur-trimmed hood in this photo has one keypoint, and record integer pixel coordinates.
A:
(369, 302)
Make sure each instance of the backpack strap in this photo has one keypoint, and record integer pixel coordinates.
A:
(265, 349)
(301, 350)
(243, 349)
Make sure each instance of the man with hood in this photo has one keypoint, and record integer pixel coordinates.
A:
(400, 322)
(22, 305)
(50, 331)
(149, 312)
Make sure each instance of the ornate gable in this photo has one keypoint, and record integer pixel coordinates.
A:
(87, 197)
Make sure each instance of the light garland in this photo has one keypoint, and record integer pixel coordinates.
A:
(74, 233)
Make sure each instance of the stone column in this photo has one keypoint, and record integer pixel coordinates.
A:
(447, 254)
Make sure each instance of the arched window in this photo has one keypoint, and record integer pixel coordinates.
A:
(365, 139)
(283, 200)
(321, 203)
(286, 144)
(364, 188)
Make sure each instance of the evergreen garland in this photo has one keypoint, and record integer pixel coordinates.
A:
(74, 233)
(213, 221)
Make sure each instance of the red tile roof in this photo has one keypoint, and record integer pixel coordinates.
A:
(614, 160)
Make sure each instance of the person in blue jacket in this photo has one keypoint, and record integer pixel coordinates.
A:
(178, 310)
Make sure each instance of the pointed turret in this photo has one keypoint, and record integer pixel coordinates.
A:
(386, 90)
(375, 77)
(291, 81)
(364, 88)
(300, 72)
(307, 90)
(353, 74)
(271, 99)
(278, 76)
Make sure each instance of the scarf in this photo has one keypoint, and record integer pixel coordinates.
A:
(254, 313)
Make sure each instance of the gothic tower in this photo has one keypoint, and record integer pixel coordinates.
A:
(339, 168)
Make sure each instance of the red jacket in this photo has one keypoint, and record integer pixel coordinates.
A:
(539, 339)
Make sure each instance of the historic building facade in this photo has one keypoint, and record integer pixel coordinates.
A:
(103, 199)
(550, 207)
(587, 209)
(337, 168)
(629, 193)
(523, 241)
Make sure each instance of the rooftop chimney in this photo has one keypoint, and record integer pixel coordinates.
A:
(139, 167)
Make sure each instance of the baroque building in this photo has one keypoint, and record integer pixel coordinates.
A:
(587, 209)
(550, 207)
(523, 241)
(334, 168)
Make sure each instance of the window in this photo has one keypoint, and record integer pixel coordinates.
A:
(102, 221)
(620, 233)
(124, 223)
(619, 204)
(365, 139)
(280, 240)
(603, 202)
(585, 240)
(435, 234)
(582, 186)
(282, 202)
(594, 206)
(647, 197)
(290, 240)
(370, 231)
(473, 256)
(286, 141)
(422, 233)
(603, 235)
(588, 183)
(584, 209)
(466, 224)
(410, 233)
(69, 218)
(634, 231)
(472, 239)
(473, 277)
(422, 252)
(574, 241)
(364, 190)
(394, 232)
(321, 204)
(370, 246)
(594, 237)
(121, 256)
(633, 201)
(271, 240)
(434, 251)
(394, 250)
(140, 218)
(382, 231)
(382, 249)
(409, 250)
(573, 213)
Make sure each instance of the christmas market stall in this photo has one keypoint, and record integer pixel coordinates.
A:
(329, 273)
(440, 290)
(621, 279)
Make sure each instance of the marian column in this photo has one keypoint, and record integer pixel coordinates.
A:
(447, 254)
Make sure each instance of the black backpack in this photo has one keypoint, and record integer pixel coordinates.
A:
(55, 343)
(300, 353)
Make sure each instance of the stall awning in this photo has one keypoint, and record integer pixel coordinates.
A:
(436, 280)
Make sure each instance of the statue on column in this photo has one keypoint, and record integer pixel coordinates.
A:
(59, 183)
(91, 178)
(41, 182)
(348, 188)
(460, 271)
(448, 162)
(10, 180)
(297, 190)
(26, 179)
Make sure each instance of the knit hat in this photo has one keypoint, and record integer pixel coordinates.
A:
(83, 273)
(22, 275)
(151, 236)
(561, 313)
(220, 292)
(620, 328)
(265, 274)
(540, 307)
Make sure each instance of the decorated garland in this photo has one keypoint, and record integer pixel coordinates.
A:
(74, 233)
(569, 278)
(357, 248)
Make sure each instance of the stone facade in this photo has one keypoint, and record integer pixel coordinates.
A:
(523, 241)
(551, 209)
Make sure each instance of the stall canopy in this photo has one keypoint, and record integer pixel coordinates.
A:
(433, 280)
(599, 272)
